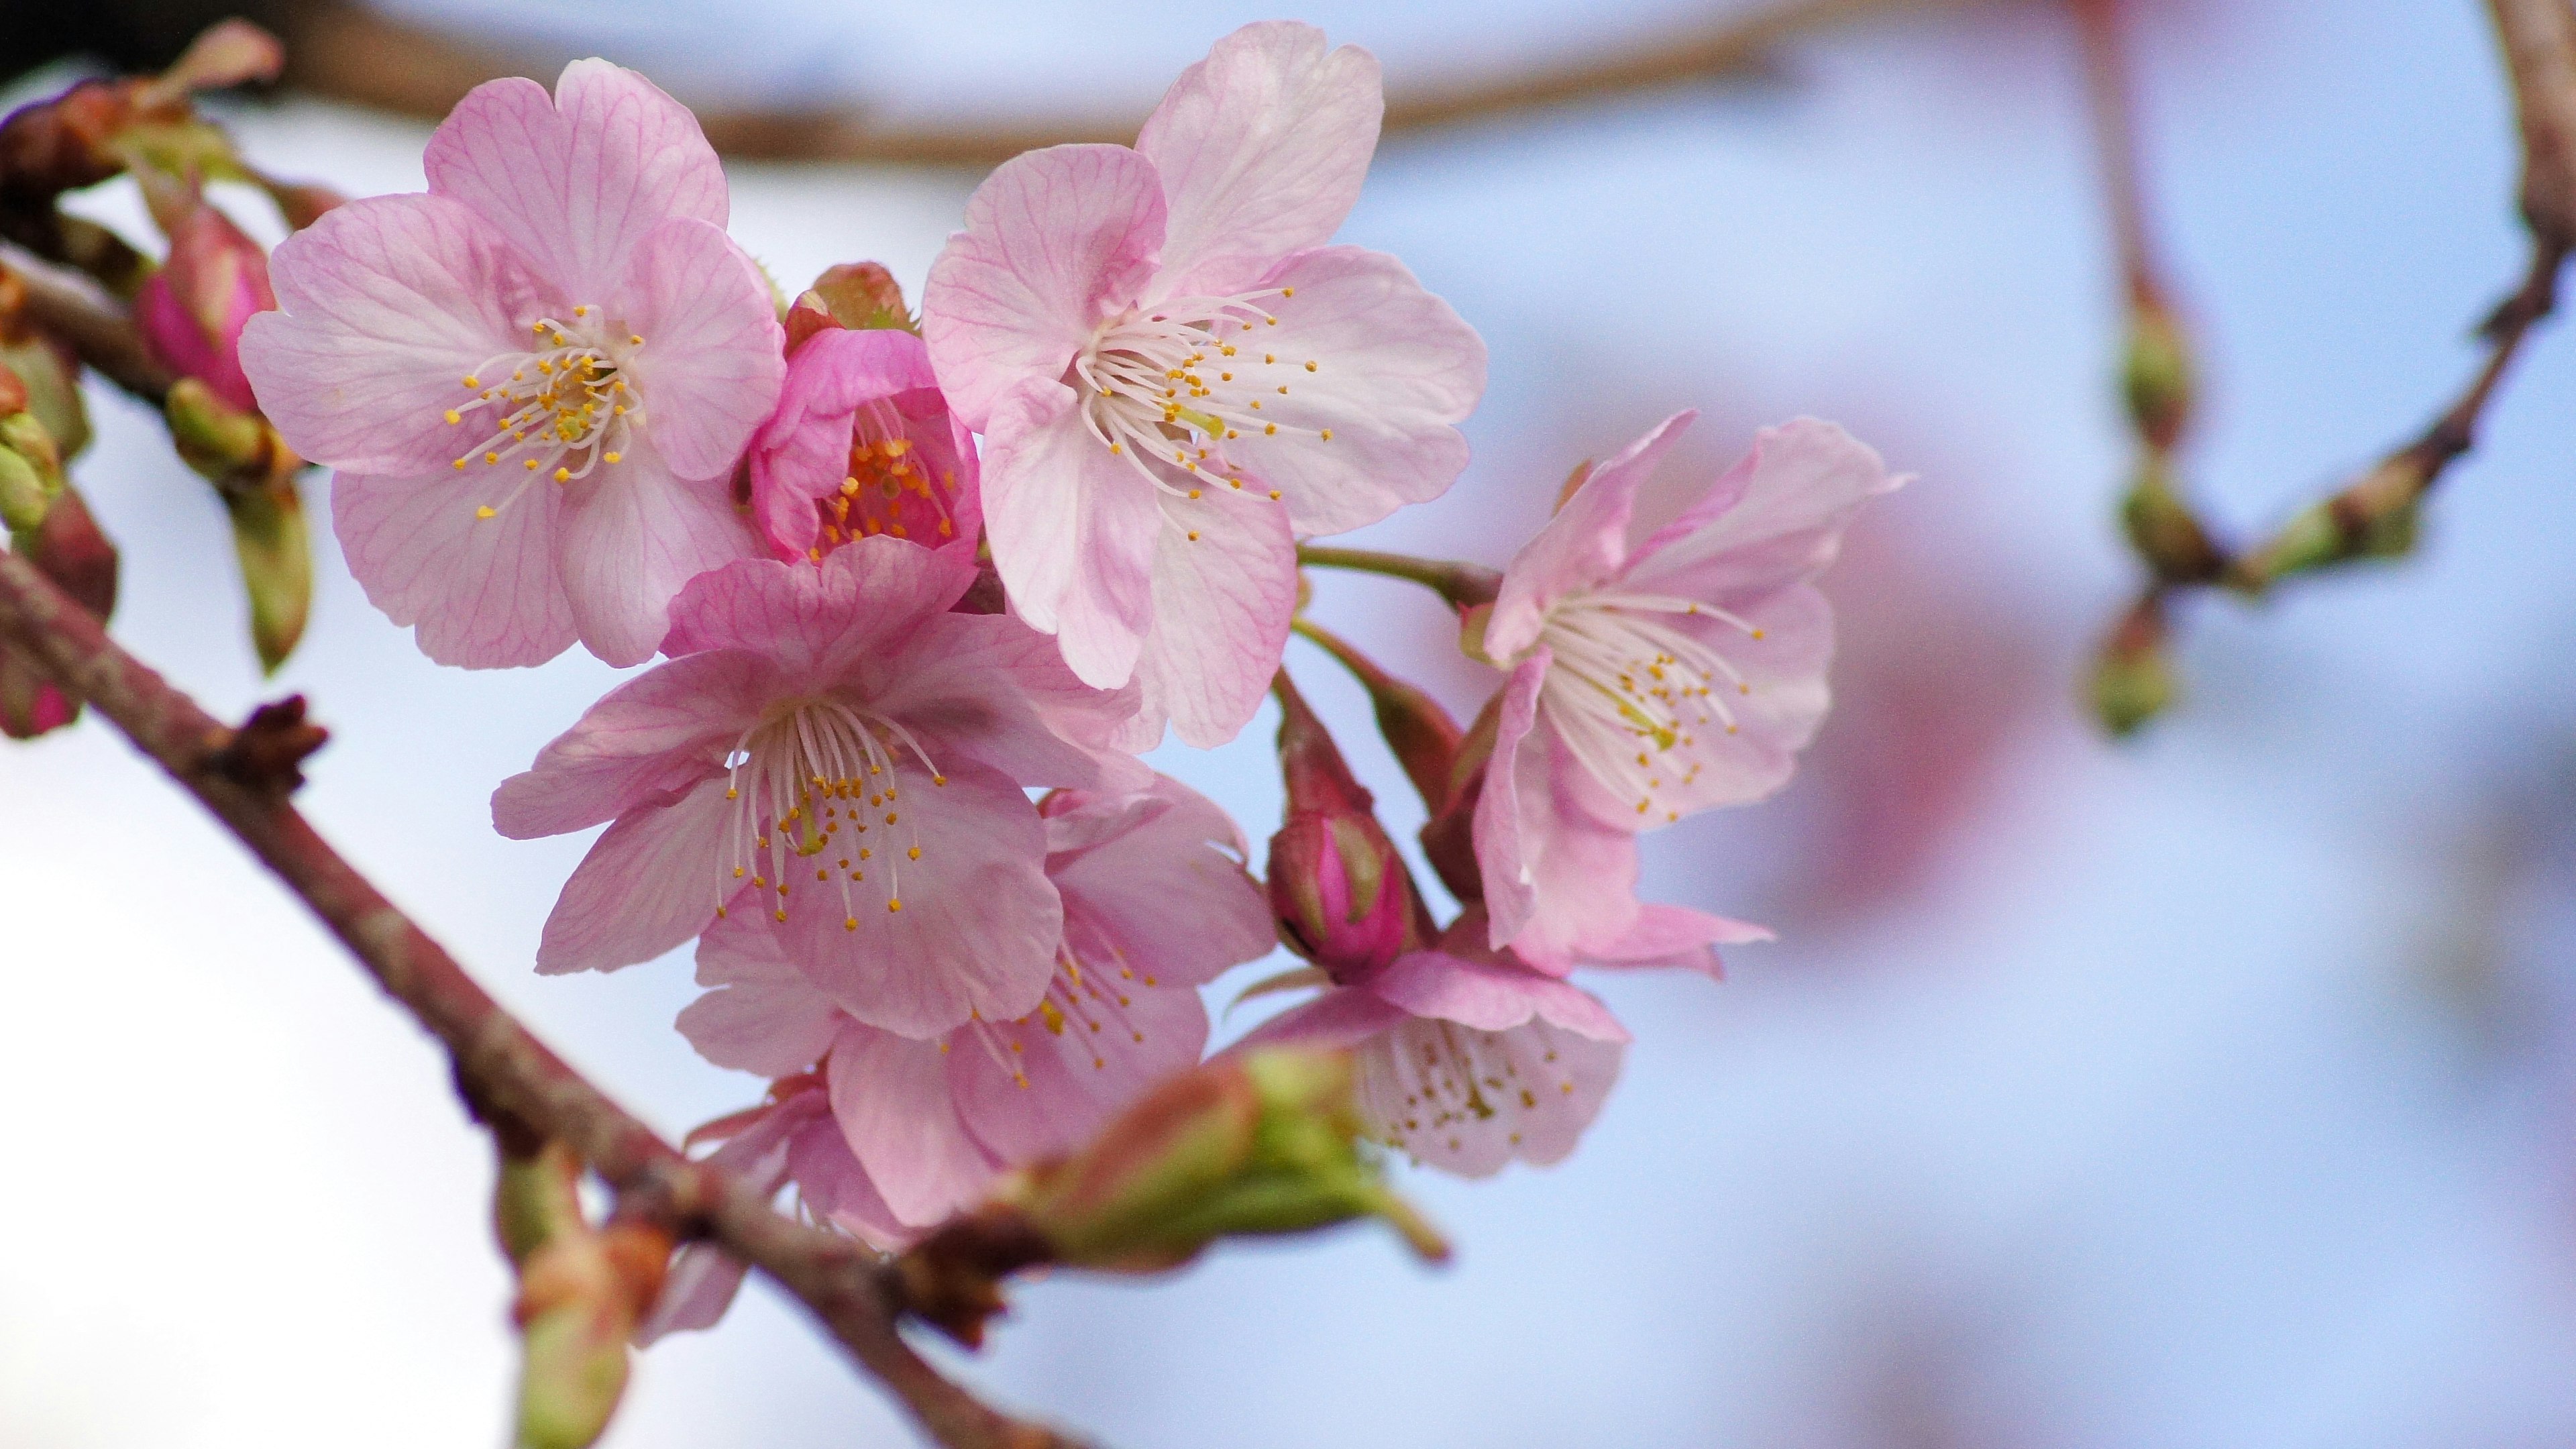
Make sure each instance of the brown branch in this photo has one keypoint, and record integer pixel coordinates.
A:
(504, 1070)
(70, 307)
(351, 54)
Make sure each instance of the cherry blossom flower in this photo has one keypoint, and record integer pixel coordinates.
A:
(1654, 681)
(863, 443)
(1174, 375)
(1156, 903)
(839, 720)
(535, 380)
(1465, 1057)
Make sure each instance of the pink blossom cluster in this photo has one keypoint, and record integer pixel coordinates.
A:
(922, 591)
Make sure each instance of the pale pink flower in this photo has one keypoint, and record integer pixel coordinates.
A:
(1465, 1057)
(863, 443)
(1156, 903)
(1653, 681)
(536, 379)
(830, 748)
(1174, 375)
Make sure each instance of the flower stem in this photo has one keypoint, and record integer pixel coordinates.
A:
(1463, 584)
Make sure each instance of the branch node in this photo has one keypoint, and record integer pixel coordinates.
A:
(268, 752)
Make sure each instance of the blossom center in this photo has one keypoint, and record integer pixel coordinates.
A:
(889, 488)
(563, 407)
(1172, 388)
(1631, 692)
(817, 785)
(1087, 1009)
(1426, 1080)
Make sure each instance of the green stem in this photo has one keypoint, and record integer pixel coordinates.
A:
(1464, 584)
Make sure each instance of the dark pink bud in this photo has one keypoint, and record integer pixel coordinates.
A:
(193, 309)
(1340, 891)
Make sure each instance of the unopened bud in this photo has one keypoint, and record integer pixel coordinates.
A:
(855, 295)
(1262, 1144)
(1449, 836)
(2133, 676)
(225, 54)
(2374, 518)
(191, 312)
(1338, 887)
(71, 551)
(2156, 374)
(48, 375)
(31, 472)
(581, 1293)
(254, 472)
(2165, 532)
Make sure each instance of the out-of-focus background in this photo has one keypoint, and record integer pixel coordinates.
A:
(2210, 1090)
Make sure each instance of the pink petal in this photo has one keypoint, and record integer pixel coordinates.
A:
(1055, 242)
(647, 885)
(575, 180)
(1557, 881)
(1222, 602)
(1167, 895)
(1396, 369)
(1582, 546)
(709, 369)
(762, 1015)
(700, 1286)
(387, 305)
(1342, 1018)
(1427, 1088)
(1675, 938)
(1775, 519)
(657, 732)
(987, 688)
(834, 1187)
(1262, 147)
(1044, 1085)
(893, 1102)
(483, 592)
(801, 454)
(979, 923)
(1491, 995)
(818, 622)
(632, 536)
(1073, 530)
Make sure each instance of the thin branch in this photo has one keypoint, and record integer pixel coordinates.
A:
(69, 306)
(352, 54)
(502, 1067)
(1463, 584)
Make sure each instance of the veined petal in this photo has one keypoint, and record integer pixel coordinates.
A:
(1581, 547)
(892, 1099)
(818, 622)
(632, 536)
(1491, 995)
(482, 592)
(1373, 425)
(1225, 587)
(1671, 937)
(657, 732)
(1342, 1018)
(1557, 880)
(709, 366)
(1774, 519)
(576, 179)
(1073, 529)
(1055, 240)
(1261, 147)
(1468, 1101)
(762, 1015)
(1167, 894)
(384, 305)
(648, 884)
(990, 689)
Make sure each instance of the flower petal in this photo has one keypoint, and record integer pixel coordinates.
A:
(988, 688)
(632, 535)
(386, 306)
(482, 592)
(648, 884)
(1491, 995)
(817, 622)
(1262, 147)
(893, 1102)
(1679, 939)
(1582, 546)
(656, 732)
(978, 927)
(576, 179)
(1225, 587)
(762, 1015)
(1342, 1018)
(1468, 1101)
(1055, 241)
(802, 453)
(1073, 530)
(1395, 370)
(1167, 896)
(1774, 519)
(709, 369)
(1557, 880)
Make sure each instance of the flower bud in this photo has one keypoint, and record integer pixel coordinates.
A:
(68, 547)
(2133, 678)
(31, 471)
(2156, 374)
(192, 311)
(1338, 887)
(2164, 531)
(1449, 836)
(855, 295)
(581, 1294)
(1261, 1144)
(254, 472)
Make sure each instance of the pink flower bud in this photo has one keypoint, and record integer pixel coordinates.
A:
(193, 309)
(1337, 886)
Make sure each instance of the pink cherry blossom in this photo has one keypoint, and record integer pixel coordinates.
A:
(1175, 375)
(836, 719)
(1653, 681)
(1156, 903)
(1465, 1057)
(534, 380)
(863, 443)
(192, 311)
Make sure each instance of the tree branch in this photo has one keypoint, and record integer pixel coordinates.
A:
(502, 1067)
(69, 306)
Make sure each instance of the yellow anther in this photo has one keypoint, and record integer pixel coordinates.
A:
(486, 511)
(454, 416)
(1328, 435)
(460, 465)
(1310, 367)
(612, 457)
(472, 381)
(916, 852)
(563, 475)
(894, 903)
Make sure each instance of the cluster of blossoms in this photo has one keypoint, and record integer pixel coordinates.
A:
(924, 589)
